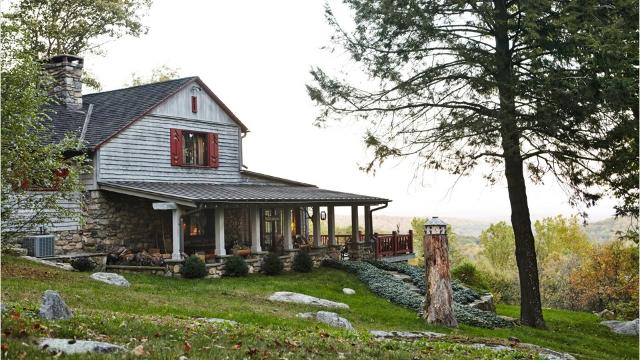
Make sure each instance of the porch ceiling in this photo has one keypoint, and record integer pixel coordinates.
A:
(205, 193)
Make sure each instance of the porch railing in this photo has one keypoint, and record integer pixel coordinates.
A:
(340, 239)
(394, 244)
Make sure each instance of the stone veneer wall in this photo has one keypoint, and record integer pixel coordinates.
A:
(362, 251)
(115, 219)
(216, 270)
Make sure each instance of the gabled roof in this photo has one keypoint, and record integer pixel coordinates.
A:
(115, 110)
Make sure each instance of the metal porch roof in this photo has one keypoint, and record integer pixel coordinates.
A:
(203, 193)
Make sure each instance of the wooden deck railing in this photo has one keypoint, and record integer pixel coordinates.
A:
(394, 244)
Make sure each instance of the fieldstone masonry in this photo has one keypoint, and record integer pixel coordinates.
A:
(113, 219)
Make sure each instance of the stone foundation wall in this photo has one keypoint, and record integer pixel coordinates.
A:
(114, 219)
(362, 251)
(216, 270)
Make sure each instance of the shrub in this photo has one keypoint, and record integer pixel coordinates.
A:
(271, 264)
(194, 268)
(236, 266)
(468, 274)
(302, 262)
(83, 264)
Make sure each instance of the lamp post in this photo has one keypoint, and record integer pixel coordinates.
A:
(438, 304)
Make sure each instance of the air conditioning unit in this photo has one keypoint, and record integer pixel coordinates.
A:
(39, 245)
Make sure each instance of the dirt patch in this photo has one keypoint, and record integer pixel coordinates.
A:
(31, 271)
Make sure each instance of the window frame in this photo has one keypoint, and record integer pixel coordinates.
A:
(206, 149)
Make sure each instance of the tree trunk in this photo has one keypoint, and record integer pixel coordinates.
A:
(438, 305)
(530, 304)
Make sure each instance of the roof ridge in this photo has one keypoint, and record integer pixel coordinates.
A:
(143, 85)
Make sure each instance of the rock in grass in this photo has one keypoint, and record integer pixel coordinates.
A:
(110, 278)
(53, 307)
(291, 297)
(622, 327)
(217, 320)
(381, 334)
(348, 291)
(485, 303)
(329, 318)
(71, 346)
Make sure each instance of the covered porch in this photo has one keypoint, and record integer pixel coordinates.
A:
(214, 221)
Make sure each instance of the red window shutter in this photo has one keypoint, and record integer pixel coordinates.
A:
(214, 156)
(176, 147)
(194, 104)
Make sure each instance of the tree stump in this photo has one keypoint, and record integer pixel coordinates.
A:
(438, 305)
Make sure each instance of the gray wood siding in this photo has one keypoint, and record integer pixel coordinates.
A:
(179, 106)
(57, 224)
(142, 153)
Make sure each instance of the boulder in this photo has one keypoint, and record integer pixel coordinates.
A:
(217, 320)
(110, 278)
(71, 346)
(381, 334)
(348, 291)
(605, 314)
(329, 318)
(53, 307)
(622, 327)
(484, 303)
(291, 297)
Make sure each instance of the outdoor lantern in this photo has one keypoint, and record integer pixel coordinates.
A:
(435, 226)
(323, 215)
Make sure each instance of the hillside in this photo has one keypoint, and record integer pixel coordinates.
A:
(157, 318)
(470, 229)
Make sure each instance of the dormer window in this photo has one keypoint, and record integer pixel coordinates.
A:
(194, 148)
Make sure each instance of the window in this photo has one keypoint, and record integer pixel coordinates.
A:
(190, 148)
(194, 151)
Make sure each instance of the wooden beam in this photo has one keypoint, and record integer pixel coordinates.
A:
(219, 231)
(331, 220)
(316, 226)
(354, 224)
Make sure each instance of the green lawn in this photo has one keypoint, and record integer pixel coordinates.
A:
(156, 313)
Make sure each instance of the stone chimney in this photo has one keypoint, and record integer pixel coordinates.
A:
(66, 71)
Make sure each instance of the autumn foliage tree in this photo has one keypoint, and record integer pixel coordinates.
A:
(527, 87)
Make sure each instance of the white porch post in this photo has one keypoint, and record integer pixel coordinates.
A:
(331, 222)
(255, 230)
(176, 215)
(368, 229)
(316, 226)
(219, 231)
(354, 224)
(288, 241)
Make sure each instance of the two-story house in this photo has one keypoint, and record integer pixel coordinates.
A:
(168, 175)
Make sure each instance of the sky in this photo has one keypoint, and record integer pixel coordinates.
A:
(256, 56)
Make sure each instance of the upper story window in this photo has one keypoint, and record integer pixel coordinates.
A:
(192, 148)
(194, 151)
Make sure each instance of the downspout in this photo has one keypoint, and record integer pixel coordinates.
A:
(375, 243)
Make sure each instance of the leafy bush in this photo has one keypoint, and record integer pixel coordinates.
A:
(271, 264)
(235, 266)
(194, 268)
(468, 274)
(83, 264)
(387, 287)
(302, 262)
(608, 278)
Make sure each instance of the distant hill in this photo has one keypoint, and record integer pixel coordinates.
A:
(387, 223)
(469, 230)
(605, 230)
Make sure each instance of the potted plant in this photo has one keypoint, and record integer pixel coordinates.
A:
(241, 250)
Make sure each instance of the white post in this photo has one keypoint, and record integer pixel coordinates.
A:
(219, 231)
(368, 229)
(316, 226)
(177, 233)
(255, 230)
(288, 241)
(354, 224)
(331, 222)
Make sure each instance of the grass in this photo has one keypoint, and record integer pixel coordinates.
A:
(157, 313)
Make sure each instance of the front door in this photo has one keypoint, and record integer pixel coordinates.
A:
(271, 229)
